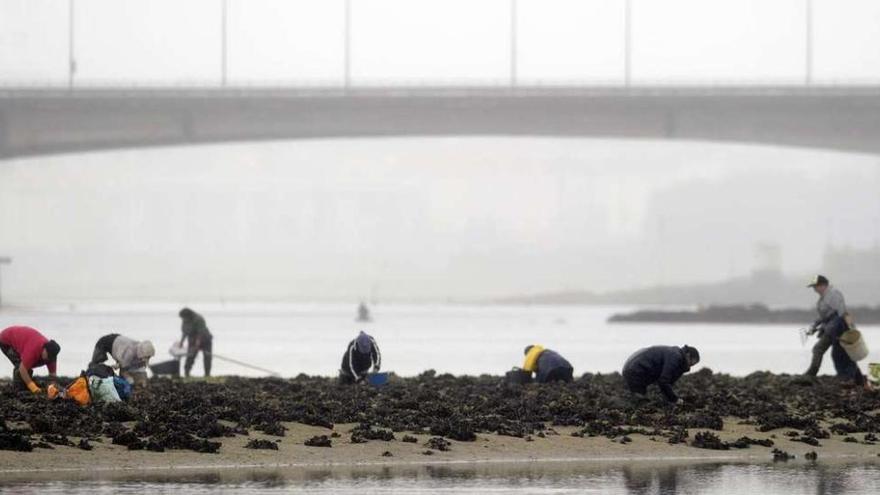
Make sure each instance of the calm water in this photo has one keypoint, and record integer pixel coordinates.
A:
(310, 339)
(538, 478)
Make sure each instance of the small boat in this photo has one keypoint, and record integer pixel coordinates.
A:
(363, 313)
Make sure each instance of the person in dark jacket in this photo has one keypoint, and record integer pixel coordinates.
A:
(361, 354)
(547, 365)
(659, 364)
(198, 338)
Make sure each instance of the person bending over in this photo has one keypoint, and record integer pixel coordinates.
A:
(27, 349)
(548, 366)
(198, 338)
(131, 356)
(361, 354)
(659, 364)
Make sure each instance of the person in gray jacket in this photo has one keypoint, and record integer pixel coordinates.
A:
(831, 307)
(131, 356)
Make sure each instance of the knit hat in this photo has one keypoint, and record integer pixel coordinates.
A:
(145, 350)
(52, 349)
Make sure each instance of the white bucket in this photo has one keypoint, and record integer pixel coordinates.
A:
(854, 345)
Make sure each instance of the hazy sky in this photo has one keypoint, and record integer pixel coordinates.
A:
(272, 41)
(421, 217)
(426, 218)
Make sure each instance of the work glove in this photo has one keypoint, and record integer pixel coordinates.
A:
(52, 391)
(34, 388)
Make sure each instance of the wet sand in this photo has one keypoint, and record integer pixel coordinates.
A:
(487, 448)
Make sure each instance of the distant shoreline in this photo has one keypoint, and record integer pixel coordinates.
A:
(755, 314)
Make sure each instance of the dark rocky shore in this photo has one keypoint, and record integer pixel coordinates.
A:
(751, 314)
(198, 416)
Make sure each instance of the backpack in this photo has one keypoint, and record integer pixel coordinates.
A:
(79, 391)
(123, 388)
(103, 389)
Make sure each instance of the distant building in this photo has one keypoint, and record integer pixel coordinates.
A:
(852, 265)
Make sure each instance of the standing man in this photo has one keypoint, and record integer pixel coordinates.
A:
(198, 338)
(27, 349)
(361, 354)
(548, 366)
(659, 364)
(831, 308)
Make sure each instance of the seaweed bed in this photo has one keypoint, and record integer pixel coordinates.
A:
(196, 416)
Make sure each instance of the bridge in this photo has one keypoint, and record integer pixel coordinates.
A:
(77, 111)
(48, 121)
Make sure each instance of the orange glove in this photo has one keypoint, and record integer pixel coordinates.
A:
(34, 388)
(52, 391)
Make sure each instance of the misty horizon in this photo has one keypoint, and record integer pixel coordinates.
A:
(420, 218)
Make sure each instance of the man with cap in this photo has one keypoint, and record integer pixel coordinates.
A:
(131, 356)
(195, 331)
(659, 364)
(830, 325)
(831, 307)
(27, 349)
(361, 354)
(548, 366)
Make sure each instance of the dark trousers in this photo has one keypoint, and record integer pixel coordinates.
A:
(103, 346)
(843, 364)
(635, 383)
(558, 375)
(819, 350)
(207, 350)
(15, 359)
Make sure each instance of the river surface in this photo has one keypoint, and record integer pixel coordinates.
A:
(532, 478)
(459, 339)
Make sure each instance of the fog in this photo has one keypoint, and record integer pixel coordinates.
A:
(421, 218)
(426, 218)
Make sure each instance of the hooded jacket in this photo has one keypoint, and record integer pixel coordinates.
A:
(357, 359)
(125, 352)
(659, 364)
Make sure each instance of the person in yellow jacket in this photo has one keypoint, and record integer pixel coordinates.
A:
(548, 366)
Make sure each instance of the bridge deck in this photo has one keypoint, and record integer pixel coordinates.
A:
(35, 121)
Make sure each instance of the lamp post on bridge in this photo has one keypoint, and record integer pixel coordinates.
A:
(4, 260)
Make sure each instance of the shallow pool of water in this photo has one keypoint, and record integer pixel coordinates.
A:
(533, 478)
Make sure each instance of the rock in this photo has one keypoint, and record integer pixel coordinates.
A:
(318, 441)
(438, 443)
(709, 440)
(261, 444)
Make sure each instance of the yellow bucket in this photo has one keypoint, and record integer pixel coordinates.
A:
(854, 344)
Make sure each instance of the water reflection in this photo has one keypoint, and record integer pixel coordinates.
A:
(635, 478)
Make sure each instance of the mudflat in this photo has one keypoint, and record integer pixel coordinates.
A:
(313, 421)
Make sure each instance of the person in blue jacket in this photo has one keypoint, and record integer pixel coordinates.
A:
(548, 366)
(659, 364)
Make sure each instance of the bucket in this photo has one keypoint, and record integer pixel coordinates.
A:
(854, 344)
(377, 379)
(171, 367)
(517, 376)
